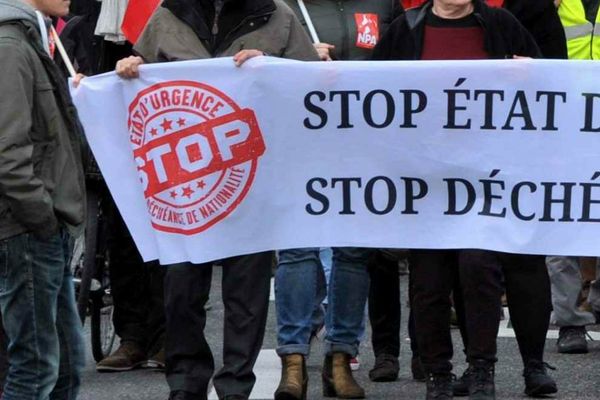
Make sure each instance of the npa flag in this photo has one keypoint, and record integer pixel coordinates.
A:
(136, 17)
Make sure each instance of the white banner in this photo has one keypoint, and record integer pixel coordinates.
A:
(500, 155)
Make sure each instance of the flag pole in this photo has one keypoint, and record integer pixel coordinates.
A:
(63, 53)
(311, 28)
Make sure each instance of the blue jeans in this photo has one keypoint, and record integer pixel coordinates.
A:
(297, 287)
(46, 350)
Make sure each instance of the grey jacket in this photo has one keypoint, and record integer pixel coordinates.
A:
(169, 38)
(41, 177)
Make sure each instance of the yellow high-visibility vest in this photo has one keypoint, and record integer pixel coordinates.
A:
(583, 37)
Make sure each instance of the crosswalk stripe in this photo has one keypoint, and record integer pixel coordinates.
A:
(506, 330)
(267, 371)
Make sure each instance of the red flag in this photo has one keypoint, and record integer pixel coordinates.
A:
(136, 17)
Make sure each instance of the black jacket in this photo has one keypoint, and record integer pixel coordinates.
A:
(541, 19)
(504, 35)
(337, 24)
(236, 18)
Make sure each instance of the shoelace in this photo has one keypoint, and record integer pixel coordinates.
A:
(440, 384)
(481, 376)
(571, 332)
(539, 368)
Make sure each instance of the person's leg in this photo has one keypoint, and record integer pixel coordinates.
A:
(384, 305)
(530, 304)
(31, 278)
(384, 315)
(415, 363)
(433, 273)
(566, 284)
(246, 286)
(296, 288)
(594, 295)
(68, 325)
(155, 320)
(565, 278)
(128, 280)
(3, 357)
(479, 295)
(348, 292)
(482, 289)
(189, 361)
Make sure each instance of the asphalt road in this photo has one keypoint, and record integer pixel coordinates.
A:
(578, 376)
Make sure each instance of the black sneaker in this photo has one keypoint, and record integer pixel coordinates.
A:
(537, 381)
(386, 368)
(481, 381)
(571, 340)
(181, 395)
(460, 387)
(439, 386)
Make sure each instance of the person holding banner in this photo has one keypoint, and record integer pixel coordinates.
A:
(470, 30)
(217, 28)
(581, 21)
(347, 31)
(42, 206)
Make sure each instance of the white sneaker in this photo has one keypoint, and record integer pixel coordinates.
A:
(355, 363)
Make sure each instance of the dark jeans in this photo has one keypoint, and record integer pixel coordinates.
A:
(46, 349)
(245, 288)
(527, 292)
(384, 304)
(137, 289)
(3, 356)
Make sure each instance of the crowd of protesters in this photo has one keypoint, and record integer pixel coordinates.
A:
(42, 202)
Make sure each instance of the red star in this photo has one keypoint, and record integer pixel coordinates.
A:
(200, 184)
(173, 194)
(187, 192)
(154, 131)
(167, 124)
(181, 122)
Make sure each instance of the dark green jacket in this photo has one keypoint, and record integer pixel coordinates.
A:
(338, 22)
(41, 178)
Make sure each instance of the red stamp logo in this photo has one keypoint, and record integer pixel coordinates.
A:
(367, 28)
(196, 151)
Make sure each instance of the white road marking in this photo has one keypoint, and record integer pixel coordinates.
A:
(268, 372)
(506, 330)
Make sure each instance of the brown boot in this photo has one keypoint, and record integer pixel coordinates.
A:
(293, 378)
(127, 357)
(338, 380)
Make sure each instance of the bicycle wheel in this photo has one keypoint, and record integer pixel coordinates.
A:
(88, 269)
(102, 329)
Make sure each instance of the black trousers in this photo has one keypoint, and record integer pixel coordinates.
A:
(245, 287)
(478, 275)
(384, 304)
(436, 274)
(137, 290)
(527, 292)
